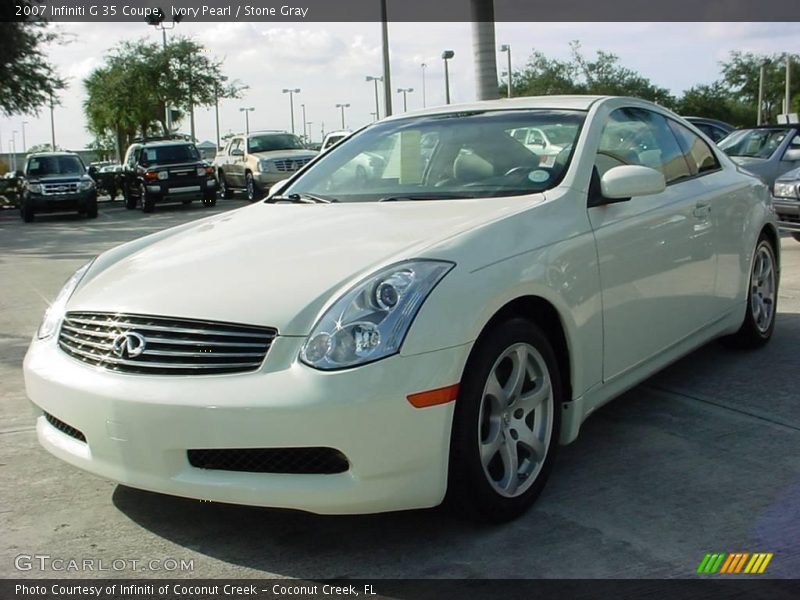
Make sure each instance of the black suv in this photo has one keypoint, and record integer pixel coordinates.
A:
(56, 182)
(166, 171)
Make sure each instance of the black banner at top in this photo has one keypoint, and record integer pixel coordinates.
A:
(402, 10)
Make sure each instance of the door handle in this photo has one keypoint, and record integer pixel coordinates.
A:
(701, 209)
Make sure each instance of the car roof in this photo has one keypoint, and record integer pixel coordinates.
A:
(167, 143)
(574, 102)
(43, 154)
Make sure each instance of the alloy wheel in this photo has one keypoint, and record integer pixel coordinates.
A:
(762, 289)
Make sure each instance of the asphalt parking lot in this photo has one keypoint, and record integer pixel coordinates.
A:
(700, 458)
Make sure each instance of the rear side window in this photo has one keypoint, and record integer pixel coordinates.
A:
(698, 153)
(635, 136)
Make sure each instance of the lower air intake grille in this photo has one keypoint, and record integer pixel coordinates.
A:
(271, 460)
(153, 345)
(64, 428)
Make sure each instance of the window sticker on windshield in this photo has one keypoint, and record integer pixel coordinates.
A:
(150, 155)
(538, 176)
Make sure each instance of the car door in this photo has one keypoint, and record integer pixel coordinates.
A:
(235, 163)
(655, 252)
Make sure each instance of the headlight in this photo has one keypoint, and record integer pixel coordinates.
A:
(54, 314)
(85, 184)
(264, 165)
(786, 190)
(370, 321)
(35, 188)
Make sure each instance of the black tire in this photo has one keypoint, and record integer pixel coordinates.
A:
(27, 212)
(210, 201)
(224, 190)
(130, 201)
(796, 236)
(91, 210)
(148, 203)
(252, 189)
(754, 333)
(470, 491)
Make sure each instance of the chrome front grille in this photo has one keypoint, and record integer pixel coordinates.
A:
(291, 164)
(151, 345)
(60, 188)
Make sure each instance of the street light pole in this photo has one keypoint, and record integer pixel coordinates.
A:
(157, 20)
(52, 125)
(387, 78)
(24, 145)
(446, 56)
(343, 106)
(507, 48)
(405, 92)
(423, 85)
(247, 112)
(788, 98)
(216, 110)
(13, 148)
(761, 73)
(291, 93)
(305, 130)
(377, 105)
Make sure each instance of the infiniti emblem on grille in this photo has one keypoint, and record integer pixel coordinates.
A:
(128, 345)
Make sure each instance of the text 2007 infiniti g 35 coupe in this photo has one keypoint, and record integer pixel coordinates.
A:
(436, 325)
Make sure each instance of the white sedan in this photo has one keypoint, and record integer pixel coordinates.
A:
(435, 332)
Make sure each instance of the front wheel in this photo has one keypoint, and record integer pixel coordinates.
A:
(224, 190)
(506, 423)
(91, 210)
(148, 202)
(762, 300)
(251, 187)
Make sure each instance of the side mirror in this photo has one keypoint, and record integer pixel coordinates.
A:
(277, 187)
(792, 155)
(628, 181)
(237, 152)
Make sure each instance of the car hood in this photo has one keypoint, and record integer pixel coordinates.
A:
(57, 178)
(748, 161)
(285, 154)
(274, 265)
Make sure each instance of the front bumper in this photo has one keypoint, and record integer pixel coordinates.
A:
(195, 187)
(138, 428)
(61, 202)
(788, 213)
(266, 178)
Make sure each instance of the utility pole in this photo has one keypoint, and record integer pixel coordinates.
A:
(305, 130)
(24, 145)
(52, 125)
(387, 78)
(216, 110)
(788, 99)
(761, 74)
(424, 66)
(405, 92)
(446, 56)
(291, 93)
(507, 48)
(375, 80)
(247, 112)
(343, 106)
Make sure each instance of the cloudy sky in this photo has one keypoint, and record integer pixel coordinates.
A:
(328, 62)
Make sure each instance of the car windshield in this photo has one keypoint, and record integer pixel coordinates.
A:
(43, 166)
(753, 143)
(169, 154)
(455, 155)
(268, 143)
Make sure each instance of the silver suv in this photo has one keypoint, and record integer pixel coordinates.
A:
(256, 161)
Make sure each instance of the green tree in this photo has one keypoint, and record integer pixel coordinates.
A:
(27, 80)
(127, 96)
(740, 73)
(716, 101)
(602, 75)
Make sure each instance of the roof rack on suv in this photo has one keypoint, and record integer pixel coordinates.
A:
(183, 137)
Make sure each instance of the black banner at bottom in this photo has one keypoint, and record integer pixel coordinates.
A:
(424, 589)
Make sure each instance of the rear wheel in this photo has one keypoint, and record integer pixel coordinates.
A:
(224, 190)
(506, 423)
(762, 300)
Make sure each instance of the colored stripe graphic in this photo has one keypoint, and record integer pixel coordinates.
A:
(734, 563)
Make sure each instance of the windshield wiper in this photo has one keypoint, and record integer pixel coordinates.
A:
(424, 197)
(303, 198)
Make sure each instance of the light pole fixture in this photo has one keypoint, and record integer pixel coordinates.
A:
(291, 93)
(507, 48)
(424, 66)
(343, 106)
(247, 112)
(156, 19)
(405, 92)
(446, 56)
(375, 80)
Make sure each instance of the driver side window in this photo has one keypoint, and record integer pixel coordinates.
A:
(634, 136)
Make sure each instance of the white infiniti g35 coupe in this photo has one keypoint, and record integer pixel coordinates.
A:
(435, 329)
